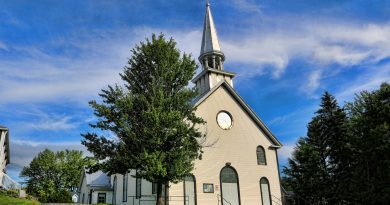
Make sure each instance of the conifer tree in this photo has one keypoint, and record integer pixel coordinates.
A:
(303, 172)
(316, 167)
(151, 117)
(333, 127)
(369, 117)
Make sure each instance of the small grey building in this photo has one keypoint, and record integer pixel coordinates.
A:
(94, 188)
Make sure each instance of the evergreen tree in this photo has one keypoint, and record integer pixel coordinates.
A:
(333, 127)
(369, 117)
(315, 169)
(151, 116)
(303, 173)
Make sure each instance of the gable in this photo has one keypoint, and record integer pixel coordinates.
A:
(233, 95)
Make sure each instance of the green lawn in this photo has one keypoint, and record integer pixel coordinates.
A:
(6, 200)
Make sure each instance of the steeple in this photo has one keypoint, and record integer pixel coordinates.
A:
(211, 57)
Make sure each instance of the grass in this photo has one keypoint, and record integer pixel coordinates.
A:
(6, 200)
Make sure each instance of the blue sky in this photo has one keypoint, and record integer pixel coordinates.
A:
(55, 56)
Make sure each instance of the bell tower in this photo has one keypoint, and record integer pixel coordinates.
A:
(211, 58)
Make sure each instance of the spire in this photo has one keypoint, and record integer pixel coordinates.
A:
(211, 55)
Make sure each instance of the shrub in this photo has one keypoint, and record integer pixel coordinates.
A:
(60, 196)
(10, 193)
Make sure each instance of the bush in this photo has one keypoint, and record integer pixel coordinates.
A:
(60, 196)
(11, 193)
(30, 197)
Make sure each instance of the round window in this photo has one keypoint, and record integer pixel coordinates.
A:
(224, 120)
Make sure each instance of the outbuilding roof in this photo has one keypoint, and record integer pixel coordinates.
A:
(97, 179)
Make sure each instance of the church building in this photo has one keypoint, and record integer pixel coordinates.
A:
(240, 162)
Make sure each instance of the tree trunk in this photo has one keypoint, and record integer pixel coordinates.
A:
(160, 198)
(166, 193)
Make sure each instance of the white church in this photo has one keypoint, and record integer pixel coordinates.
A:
(239, 168)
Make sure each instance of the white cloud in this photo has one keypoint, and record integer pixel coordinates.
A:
(313, 82)
(327, 54)
(101, 55)
(23, 151)
(369, 81)
(246, 5)
(325, 48)
(56, 123)
(285, 152)
(284, 118)
(3, 46)
(42, 77)
(319, 44)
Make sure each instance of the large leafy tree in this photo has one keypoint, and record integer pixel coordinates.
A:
(51, 174)
(317, 164)
(151, 117)
(369, 117)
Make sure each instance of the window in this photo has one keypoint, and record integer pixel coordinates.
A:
(124, 194)
(265, 191)
(189, 190)
(89, 198)
(208, 188)
(101, 198)
(154, 188)
(138, 183)
(83, 198)
(230, 188)
(261, 160)
(114, 192)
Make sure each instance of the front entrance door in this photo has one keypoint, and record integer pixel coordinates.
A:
(189, 190)
(229, 186)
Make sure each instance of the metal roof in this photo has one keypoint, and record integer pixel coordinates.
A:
(210, 43)
(97, 179)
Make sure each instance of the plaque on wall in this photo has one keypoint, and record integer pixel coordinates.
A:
(208, 188)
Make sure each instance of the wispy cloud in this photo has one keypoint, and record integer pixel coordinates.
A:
(247, 5)
(56, 123)
(285, 152)
(366, 82)
(3, 46)
(320, 44)
(9, 19)
(283, 118)
(313, 83)
(42, 76)
(324, 48)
